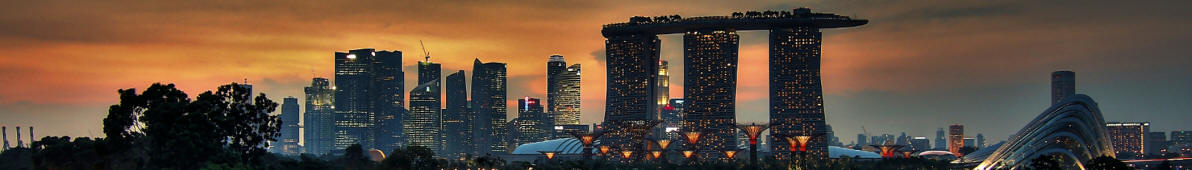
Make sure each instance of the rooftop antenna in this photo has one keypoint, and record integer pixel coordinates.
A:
(424, 50)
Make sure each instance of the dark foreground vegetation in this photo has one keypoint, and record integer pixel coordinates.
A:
(162, 128)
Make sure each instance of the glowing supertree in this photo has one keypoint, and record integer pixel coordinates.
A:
(753, 130)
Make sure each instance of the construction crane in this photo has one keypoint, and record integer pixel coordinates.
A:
(424, 50)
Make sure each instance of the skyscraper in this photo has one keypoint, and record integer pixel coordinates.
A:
(319, 120)
(940, 142)
(388, 92)
(1128, 138)
(488, 103)
(796, 93)
(672, 118)
(1063, 84)
(629, 96)
(533, 124)
(955, 138)
(288, 143)
(980, 140)
(422, 126)
(663, 87)
(711, 65)
(19, 142)
(353, 112)
(457, 117)
(368, 86)
(562, 90)
(920, 143)
(862, 140)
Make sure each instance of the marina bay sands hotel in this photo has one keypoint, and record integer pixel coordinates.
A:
(710, 45)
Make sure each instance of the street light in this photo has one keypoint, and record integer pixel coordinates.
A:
(604, 150)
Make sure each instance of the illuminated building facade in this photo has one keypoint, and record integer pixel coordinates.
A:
(354, 114)
(319, 121)
(389, 99)
(533, 125)
(710, 62)
(423, 124)
(563, 90)
(1129, 138)
(955, 138)
(457, 117)
(488, 105)
(710, 87)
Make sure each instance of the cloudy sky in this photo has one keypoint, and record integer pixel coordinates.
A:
(917, 66)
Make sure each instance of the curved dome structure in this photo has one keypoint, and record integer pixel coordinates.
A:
(836, 152)
(561, 146)
(1072, 129)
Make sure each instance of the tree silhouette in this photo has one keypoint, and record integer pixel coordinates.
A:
(1045, 162)
(227, 126)
(1106, 162)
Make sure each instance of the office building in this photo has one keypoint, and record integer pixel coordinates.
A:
(369, 100)
(488, 104)
(422, 126)
(920, 143)
(955, 138)
(941, 143)
(288, 141)
(563, 91)
(457, 116)
(1063, 84)
(319, 120)
(1128, 138)
(533, 125)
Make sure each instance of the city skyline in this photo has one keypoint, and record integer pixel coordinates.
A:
(860, 88)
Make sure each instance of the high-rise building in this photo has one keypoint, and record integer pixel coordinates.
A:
(388, 92)
(488, 104)
(920, 143)
(1181, 137)
(711, 55)
(288, 143)
(902, 139)
(457, 117)
(369, 100)
(662, 94)
(632, 72)
(796, 93)
(562, 90)
(955, 138)
(980, 141)
(862, 140)
(941, 143)
(1128, 138)
(1155, 143)
(672, 118)
(421, 127)
(710, 63)
(970, 142)
(533, 124)
(1063, 84)
(319, 120)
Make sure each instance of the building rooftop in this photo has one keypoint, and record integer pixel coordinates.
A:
(752, 20)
